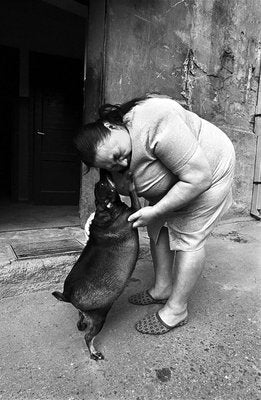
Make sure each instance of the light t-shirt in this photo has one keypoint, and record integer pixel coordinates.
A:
(164, 137)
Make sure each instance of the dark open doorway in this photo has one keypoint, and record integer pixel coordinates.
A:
(56, 87)
(9, 88)
(41, 89)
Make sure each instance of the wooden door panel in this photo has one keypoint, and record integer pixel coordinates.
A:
(9, 91)
(57, 116)
(58, 110)
(52, 179)
(58, 141)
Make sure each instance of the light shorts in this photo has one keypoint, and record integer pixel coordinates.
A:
(189, 227)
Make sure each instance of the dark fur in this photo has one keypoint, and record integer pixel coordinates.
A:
(107, 261)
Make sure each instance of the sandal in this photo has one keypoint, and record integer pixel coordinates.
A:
(144, 298)
(153, 325)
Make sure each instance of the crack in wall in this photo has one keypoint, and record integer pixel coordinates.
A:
(191, 67)
(188, 78)
(220, 82)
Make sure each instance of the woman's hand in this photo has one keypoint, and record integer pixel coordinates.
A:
(143, 217)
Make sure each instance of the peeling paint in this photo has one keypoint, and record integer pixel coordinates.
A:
(248, 84)
(193, 71)
(188, 78)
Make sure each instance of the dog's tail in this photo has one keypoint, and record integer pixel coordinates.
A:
(60, 296)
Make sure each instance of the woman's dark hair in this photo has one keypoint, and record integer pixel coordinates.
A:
(87, 141)
(115, 113)
(91, 135)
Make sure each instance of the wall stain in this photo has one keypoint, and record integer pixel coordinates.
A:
(227, 63)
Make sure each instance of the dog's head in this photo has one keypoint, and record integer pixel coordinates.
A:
(106, 195)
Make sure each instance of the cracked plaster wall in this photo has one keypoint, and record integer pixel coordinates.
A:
(205, 53)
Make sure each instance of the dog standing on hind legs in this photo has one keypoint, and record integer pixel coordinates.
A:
(106, 263)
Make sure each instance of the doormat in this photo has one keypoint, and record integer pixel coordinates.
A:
(39, 249)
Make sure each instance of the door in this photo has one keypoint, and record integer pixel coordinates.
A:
(9, 87)
(56, 84)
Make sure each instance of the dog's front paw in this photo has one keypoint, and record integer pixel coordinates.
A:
(97, 356)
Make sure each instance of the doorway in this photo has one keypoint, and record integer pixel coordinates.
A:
(56, 87)
(41, 89)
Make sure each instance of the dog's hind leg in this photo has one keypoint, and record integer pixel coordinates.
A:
(81, 324)
(95, 320)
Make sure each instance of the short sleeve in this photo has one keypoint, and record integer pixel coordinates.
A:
(172, 142)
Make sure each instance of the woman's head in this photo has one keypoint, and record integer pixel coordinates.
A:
(114, 153)
(104, 145)
(87, 141)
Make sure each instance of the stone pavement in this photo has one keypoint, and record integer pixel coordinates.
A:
(213, 357)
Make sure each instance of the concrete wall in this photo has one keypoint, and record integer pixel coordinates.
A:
(205, 52)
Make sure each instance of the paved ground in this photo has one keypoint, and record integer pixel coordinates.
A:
(215, 356)
(22, 216)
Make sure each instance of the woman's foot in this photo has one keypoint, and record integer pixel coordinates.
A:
(171, 316)
(160, 292)
(150, 296)
(144, 298)
(155, 325)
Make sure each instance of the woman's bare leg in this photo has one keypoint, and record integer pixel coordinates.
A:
(187, 270)
(162, 258)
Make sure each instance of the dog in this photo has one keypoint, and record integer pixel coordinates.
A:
(106, 263)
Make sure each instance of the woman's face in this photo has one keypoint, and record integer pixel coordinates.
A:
(114, 153)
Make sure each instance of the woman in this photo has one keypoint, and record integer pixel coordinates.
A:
(183, 165)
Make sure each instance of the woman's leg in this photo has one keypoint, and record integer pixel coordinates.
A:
(187, 270)
(162, 258)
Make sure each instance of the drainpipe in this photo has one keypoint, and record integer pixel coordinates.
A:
(256, 196)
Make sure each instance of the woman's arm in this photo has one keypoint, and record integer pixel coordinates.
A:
(194, 178)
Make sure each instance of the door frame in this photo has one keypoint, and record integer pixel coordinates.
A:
(94, 59)
(256, 194)
(94, 85)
